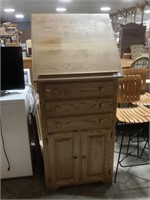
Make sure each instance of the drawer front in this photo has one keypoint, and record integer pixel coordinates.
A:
(78, 107)
(78, 90)
(77, 123)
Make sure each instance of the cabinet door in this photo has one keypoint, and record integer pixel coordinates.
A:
(63, 155)
(96, 155)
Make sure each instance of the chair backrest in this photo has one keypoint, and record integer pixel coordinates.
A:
(141, 62)
(136, 50)
(138, 71)
(129, 88)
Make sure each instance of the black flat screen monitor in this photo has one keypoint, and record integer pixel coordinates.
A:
(12, 73)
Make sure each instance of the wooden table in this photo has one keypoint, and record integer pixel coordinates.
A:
(126, 55)
(126, 63)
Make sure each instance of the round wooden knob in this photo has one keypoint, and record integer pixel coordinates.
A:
(101, 89)
(100, 105)
(58, 124)
(55, 91)
(75, 157)
(48, 90)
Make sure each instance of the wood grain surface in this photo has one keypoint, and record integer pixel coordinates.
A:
(76, 64)
(64, 43)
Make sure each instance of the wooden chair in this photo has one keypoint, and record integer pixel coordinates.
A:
(145, 96)
(141, 62)
(137, 50)
(144, 100)
(129, 88)
(138, 71)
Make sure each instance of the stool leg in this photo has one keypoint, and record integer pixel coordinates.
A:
(138, 146)
(118, 162)
(129, 140)
(146, 143)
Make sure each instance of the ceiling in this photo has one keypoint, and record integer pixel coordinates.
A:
(27, 7)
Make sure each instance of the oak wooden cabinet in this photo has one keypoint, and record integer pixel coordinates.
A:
(78, 117)
(76, 66)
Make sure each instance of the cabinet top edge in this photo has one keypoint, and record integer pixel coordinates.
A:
(77, 76)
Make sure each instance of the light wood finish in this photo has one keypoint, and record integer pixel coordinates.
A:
(128, 92)
(134, 115)
(138, 71)
(76, 73)
(83, 106)
(72, 163)
(144, 100)
(27, 64)
(145, 96)
(64, 159)
(84, 45)
(81, 120)
(126, 55)
(96, 155)
(129, 89)
(126, 63)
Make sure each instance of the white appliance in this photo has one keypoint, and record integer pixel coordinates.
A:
(14, 138)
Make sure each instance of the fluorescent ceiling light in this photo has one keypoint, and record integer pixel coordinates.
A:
(105, 8)
(120, 17)
(65, 1)
(147, 11)
(9, 10)
(19, 16)
(60, 9)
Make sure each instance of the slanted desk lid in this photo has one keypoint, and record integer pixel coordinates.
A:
(72, 43)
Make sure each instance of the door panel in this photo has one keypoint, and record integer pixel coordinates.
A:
(63, 151)
(95, 154)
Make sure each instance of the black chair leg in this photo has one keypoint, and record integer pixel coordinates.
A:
(118, 162)
(129, 141)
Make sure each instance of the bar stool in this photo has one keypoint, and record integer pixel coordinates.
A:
(129, 88)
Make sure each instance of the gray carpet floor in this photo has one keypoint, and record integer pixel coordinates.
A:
(132, 183)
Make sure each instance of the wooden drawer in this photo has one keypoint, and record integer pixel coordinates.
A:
(77, 123)
(78, 90)
(78, 107)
